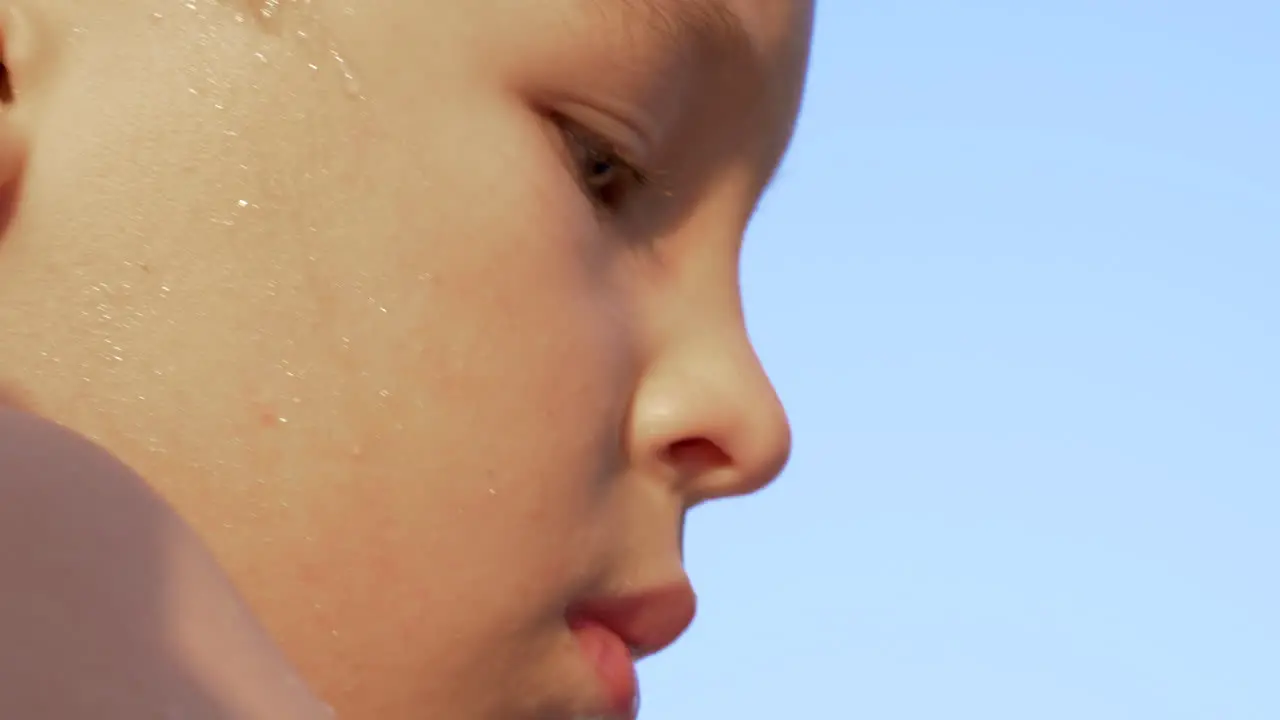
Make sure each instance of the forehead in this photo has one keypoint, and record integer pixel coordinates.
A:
(770, 27)
(777, 29)
(762, 19)
(767, 23)
(760, 48)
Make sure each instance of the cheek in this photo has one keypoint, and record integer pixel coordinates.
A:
(480, 406)
(494, 375)
(173, 209)
(403, 362)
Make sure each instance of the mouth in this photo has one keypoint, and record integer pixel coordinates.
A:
(615, 665)
(614, 633)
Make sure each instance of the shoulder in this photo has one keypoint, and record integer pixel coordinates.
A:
(110, 606)
(46, 467)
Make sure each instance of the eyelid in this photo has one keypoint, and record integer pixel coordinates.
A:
(597, 142)
(631, 139)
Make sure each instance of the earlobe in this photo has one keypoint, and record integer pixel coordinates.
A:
(20, 37)
(30, 42)
(19, 48)
(14, 146)
(13, 160)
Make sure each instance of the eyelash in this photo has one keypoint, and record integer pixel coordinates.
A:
(591, 153)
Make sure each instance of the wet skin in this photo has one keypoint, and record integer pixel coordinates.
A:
(423, 314)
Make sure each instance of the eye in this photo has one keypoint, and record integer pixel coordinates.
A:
(606, 176)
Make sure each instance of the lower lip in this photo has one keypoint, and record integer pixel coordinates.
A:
(613, 663)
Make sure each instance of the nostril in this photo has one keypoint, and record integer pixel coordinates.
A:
(6, 87)
(695, 456)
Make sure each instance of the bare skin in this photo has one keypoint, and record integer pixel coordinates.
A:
(376, 298)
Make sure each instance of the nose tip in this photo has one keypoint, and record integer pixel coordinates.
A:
(715, 421)
(763, 447)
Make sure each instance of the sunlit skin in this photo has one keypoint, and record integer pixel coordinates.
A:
(424, 314)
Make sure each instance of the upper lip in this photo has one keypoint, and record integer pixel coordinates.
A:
(646, 621)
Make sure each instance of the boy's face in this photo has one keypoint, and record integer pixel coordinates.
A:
(371, 294)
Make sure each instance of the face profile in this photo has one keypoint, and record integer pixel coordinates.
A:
(424, 314)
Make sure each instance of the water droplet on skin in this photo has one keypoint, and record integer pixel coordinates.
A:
(299, 18)
(349, 82)
(269, 10)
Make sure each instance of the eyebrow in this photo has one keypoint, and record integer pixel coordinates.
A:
(710, 31)
(704, 27)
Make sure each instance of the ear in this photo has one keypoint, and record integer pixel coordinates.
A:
(21, 62)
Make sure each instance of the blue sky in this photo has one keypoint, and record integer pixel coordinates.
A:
(1019, 285)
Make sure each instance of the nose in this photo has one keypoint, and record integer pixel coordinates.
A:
(707, 416)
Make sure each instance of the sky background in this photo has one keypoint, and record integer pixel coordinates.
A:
(1019, 286)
